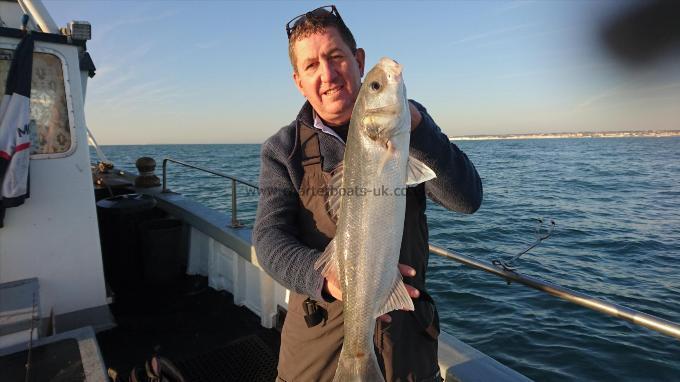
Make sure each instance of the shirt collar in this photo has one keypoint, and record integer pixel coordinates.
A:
(318, 123)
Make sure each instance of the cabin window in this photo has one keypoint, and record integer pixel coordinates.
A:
(50, 130)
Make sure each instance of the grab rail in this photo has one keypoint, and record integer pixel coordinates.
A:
(643, 319)
(234, 218)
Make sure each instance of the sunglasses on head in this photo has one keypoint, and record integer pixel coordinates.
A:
(320, 13)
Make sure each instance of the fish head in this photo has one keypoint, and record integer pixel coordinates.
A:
(382, 106)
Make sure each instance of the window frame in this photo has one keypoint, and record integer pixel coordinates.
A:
(67, 93)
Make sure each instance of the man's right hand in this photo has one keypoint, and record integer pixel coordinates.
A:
(331, 286)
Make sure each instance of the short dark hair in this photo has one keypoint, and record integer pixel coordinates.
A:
(317, 23)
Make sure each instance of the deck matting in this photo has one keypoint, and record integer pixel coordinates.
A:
(246, 359)
(190, 322)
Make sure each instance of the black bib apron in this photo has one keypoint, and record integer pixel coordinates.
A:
(406, 347)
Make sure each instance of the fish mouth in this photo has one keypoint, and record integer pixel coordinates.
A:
(387, 109)
(373, 119)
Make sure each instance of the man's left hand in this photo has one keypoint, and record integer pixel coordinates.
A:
(405, 271)
(416, 117)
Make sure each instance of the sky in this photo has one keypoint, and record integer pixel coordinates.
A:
(218, 71)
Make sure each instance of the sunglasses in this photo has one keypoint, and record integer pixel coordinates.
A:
(320, 13)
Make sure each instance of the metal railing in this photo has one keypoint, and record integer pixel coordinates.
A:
(643, 319)
(234, 211)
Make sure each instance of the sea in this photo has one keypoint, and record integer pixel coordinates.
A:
(616, 207)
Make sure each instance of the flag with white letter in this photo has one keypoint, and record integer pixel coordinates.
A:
(15, 139)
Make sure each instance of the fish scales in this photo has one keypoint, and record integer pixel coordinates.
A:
(365, 251)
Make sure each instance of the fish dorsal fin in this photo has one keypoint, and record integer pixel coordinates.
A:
(398, 299)
(333, 192)
(326, 263)
(417, 172)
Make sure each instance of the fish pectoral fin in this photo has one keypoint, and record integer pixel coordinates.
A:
(398, 299)
(389, 153)
(326, 262)
(418, 172)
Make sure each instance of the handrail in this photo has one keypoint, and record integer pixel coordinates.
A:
(234, 219)
(643, 319)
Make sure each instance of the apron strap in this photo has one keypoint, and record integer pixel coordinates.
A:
(311, 162)
(309, 142)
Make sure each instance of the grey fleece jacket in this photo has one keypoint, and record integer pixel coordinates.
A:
(275, 235)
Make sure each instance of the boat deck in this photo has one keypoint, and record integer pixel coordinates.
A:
(197, 328)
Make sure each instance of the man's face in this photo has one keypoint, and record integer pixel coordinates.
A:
(328, 74)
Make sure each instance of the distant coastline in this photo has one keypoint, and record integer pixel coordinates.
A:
(583, 134)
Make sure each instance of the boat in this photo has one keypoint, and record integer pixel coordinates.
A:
(74, 300)
(107, 275)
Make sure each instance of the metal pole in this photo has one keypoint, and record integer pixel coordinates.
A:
(39, 13)
(234, 181)
(211, 172)
(100, 153)
(643, 319)
(234, 220)
(165, 175)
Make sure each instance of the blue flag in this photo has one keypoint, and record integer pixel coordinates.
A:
(15, 140)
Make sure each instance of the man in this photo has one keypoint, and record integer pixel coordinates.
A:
(293, 226)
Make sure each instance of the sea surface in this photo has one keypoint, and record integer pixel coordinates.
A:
(616, 205)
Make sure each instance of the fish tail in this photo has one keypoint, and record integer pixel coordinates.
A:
(358, 368)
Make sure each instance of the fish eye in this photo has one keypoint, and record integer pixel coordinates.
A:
(375, 86)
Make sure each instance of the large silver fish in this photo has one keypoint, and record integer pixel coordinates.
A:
(368, 194)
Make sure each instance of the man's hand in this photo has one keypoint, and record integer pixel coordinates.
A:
(416, 117)
(332, 287)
